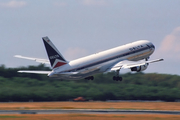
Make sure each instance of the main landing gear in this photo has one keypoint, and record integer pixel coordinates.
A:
(89, 78)
(117, 77)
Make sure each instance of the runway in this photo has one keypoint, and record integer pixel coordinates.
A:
(89, 111)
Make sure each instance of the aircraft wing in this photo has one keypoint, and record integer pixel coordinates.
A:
(44, 61)
(36, 72)
(130, 64)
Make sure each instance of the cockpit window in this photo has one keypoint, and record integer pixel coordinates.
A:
(151, 46)
(148, 46)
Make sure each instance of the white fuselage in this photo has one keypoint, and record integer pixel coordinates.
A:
(100, 62)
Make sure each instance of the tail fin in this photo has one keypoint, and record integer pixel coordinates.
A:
(55, 57)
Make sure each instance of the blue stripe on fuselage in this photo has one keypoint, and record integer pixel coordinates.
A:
(108, 59)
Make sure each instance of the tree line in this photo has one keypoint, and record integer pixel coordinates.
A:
(139, 86)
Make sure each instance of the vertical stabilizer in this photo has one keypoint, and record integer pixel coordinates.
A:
(55, 57)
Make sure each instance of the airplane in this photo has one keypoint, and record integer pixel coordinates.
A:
(112, 60)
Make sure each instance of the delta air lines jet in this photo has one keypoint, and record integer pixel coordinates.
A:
(110, 60)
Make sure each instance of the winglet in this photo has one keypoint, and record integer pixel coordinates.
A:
(55, 57)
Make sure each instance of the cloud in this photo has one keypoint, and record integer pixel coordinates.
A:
(13, 4)
(74, 53)
(94, 2)
(170, 46)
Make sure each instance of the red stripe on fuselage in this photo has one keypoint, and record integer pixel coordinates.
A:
(59, 64)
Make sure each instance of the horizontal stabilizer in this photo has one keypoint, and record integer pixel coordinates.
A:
(35, 59)
(69, 73)
(36, 72)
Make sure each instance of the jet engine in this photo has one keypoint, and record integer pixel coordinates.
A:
(139, 68)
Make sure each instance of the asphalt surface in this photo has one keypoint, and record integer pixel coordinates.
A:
(89, 111)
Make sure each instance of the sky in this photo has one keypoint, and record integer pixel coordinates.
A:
(82, 27)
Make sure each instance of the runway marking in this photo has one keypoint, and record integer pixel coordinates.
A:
(89, 111)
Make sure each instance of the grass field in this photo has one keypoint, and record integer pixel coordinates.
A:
(89, 117)
(92, 105)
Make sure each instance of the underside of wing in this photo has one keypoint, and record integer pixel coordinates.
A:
(130, 64)
(36, 72)
(115, 67)
(44, 61)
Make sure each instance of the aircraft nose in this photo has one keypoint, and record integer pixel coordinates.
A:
(153, 46)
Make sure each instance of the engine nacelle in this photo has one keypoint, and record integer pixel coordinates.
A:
(139, 68)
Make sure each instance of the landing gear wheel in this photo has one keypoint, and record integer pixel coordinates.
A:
(120, 78)
(89, 78)
(117, 78)
(114, 77)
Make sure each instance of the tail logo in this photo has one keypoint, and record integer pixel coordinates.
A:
(55, 57)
